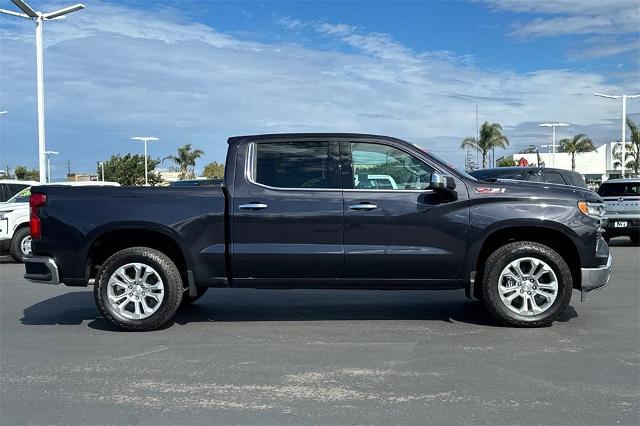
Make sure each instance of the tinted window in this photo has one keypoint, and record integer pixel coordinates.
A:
(554, 177)
(619, 189)
(378, 166)
(296, 165)
(524, 174)
(575, 179)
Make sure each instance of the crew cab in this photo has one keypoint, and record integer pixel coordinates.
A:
(622, 204)
(290, 215)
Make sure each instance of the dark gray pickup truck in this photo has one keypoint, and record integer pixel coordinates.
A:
(331, 211)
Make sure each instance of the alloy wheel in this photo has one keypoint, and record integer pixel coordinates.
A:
(528, 286)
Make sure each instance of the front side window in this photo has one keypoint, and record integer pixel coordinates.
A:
(295, 165)
(377, 166)
(553, 177)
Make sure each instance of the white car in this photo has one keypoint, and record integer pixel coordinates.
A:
(14, 220)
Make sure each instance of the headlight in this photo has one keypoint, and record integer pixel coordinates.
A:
(594, 210)
(4, 213)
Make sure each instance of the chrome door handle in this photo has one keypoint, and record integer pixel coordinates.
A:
(253, 206)
(366, 206)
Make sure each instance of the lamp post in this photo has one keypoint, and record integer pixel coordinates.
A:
(49, 154)
(39, 18)
(624, 124)
(553, 139)
(145, 139)
(102, 169)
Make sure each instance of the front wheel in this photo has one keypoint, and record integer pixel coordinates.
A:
(526, 284)
(138, 289)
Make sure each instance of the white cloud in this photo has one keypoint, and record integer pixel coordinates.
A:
(113, 72)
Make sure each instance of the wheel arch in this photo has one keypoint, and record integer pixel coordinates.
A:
(111, 241)
(553, 237)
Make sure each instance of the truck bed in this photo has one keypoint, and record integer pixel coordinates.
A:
(76, 219)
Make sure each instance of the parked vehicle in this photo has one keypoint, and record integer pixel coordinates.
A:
(532, 174)
(10, 187)
(289, 216)
(15, 237)
(622, 204)
(197, 182)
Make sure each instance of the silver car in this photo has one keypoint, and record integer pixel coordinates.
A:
(622, 204)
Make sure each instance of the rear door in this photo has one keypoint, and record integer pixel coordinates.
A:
(397, 232)
(287, 214)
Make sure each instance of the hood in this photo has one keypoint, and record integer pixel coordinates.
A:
(13, 206)
(543, 189)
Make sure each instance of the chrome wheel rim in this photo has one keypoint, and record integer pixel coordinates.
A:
(528, 286)
(25, 245)
(135, 291)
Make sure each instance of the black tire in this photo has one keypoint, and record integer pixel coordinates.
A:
(16, 244)
(167, 271)
(187, 300)
(513, 251)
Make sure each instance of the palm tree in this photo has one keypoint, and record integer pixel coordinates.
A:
(578, 144)
(491, 137)
(186, 160)
(633, 148)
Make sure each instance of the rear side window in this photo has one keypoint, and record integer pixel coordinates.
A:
(619, 189)
(296, 165)
(553, 177)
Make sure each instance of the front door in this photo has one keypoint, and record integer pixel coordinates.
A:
(398, 232)
(287, 214)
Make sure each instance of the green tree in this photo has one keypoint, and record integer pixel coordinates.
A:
(507, 162)
(491, 137)
(633, 147)
(576, 145)
(23, 173)
(186, 160)
(128, 170)
(214, 170)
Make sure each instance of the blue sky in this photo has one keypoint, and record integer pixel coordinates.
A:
(200, 71)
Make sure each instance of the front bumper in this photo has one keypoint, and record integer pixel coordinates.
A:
(41, 270)
(594, 278)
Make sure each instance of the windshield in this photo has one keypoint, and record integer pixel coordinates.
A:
(21, 197)
(619, 189)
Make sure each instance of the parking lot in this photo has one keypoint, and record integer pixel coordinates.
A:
(291, 357)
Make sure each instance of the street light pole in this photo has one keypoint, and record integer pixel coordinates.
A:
(145, 139)
(102, 169)
(48, 155)
(39, 18)
(553, 140)
(623, 141)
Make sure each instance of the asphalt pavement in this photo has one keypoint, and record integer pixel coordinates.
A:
(320, 357)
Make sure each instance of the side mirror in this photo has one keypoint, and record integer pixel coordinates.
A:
(441, 182)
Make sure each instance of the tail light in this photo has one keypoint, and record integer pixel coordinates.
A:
(35, 202)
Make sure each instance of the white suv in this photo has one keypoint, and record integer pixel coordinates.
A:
(622, 208)
(14, 220)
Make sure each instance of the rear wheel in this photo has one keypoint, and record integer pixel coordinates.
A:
(138, 289)
(21, 244)
(526, 284)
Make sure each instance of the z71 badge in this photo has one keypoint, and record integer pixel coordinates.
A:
(487, 190)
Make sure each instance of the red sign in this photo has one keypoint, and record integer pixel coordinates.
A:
(522, 162)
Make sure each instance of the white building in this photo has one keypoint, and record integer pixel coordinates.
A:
(595, 166)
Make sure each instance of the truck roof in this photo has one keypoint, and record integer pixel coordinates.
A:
(234, 139)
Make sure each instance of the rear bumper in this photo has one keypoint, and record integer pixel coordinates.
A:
(41, 270)
(594, 278)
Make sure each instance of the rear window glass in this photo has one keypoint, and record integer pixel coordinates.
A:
(554, 177)
(296, 165)
(618, 189)
(529, 175)
(575, 179)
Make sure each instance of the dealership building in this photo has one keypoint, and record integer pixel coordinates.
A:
(595, 166)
